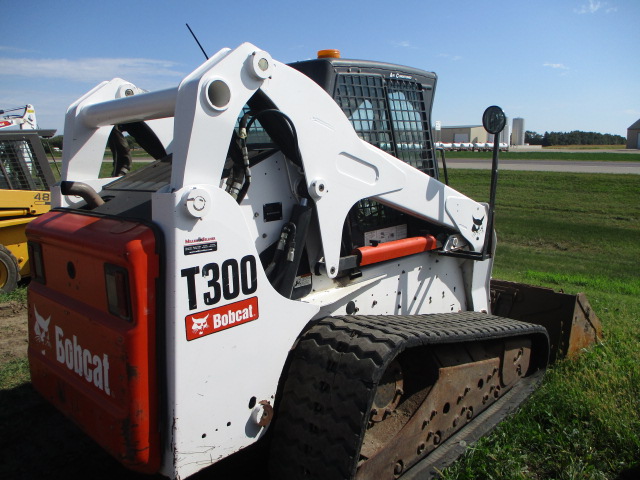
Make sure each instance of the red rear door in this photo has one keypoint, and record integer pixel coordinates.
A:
(92, 329)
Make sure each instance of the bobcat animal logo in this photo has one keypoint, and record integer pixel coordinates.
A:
(477, 224)
(41, 328)
(199, 324)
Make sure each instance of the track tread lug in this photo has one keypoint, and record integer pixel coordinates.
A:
(333, 373)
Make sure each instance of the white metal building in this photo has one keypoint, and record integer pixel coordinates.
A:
(464, 133)
(470, 134)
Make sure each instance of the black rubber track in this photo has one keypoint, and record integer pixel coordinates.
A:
(333, 374)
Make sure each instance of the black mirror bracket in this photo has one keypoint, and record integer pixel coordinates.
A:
(494, 121)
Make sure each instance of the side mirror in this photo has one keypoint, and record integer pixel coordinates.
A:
(494, 120)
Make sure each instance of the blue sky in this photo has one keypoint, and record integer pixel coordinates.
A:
(562, 65)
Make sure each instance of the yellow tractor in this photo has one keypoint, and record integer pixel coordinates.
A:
(25, 179)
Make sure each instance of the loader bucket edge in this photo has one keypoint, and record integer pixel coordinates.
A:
(569, 319)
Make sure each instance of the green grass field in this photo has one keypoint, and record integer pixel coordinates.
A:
(588, 147)
(578, 232)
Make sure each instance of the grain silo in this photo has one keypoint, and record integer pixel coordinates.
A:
(517, 132)
(505, 135)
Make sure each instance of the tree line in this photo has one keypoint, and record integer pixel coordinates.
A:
(576, 137)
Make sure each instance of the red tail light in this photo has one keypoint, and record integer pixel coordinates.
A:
(118, 296)
(35, 259)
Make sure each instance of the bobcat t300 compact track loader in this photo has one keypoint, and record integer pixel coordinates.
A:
(288, 267)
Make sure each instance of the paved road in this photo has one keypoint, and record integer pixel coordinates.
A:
(548, 165)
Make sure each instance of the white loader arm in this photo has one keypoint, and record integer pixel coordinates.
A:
(340, 168)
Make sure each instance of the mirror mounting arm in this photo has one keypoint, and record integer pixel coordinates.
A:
(494, 121)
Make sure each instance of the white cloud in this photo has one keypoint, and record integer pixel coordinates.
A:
(88, 70)
(592, 6)
(5, 48)
(453, 58)
(403, 44)
(558, 66)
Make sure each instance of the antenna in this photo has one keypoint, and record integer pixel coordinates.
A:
(196, 39)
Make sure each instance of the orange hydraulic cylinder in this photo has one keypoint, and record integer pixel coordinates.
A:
(395, 249)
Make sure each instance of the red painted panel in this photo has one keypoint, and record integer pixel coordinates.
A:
(97, 368)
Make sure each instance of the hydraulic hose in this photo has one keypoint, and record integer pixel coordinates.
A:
(301, 217)
(243, 127)
(287, 228)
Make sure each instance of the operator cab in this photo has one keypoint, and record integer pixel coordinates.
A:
(389, 105)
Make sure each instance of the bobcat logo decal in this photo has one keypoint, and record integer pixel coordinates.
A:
(41, 328)
(199, 324)
(477, 224)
